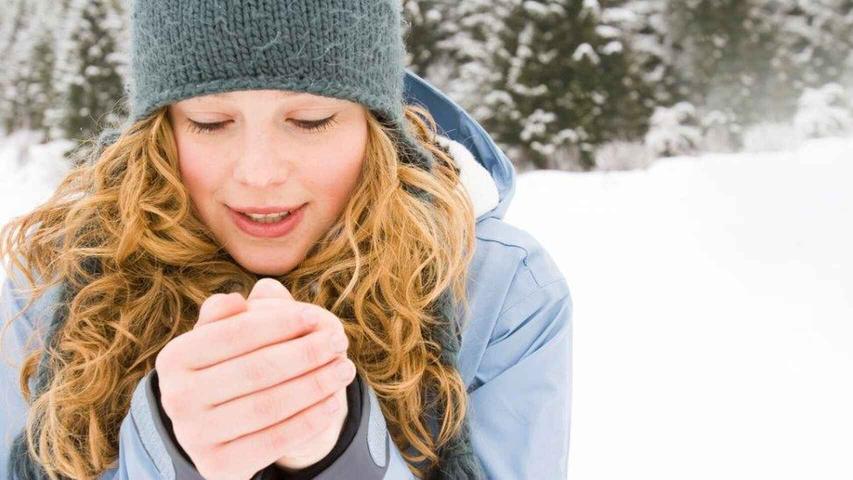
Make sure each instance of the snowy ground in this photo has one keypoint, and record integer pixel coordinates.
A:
(713, 321)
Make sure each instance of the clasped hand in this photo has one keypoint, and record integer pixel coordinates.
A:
(257, 381)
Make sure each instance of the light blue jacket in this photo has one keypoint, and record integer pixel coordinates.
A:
(515, 355)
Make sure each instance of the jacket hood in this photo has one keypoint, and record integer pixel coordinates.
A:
(486, 171)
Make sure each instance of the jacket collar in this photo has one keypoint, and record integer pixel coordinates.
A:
(475, 179)
(456, 124)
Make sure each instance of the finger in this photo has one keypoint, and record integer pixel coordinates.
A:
(267, 445)
(268, 322)
(268, 366)
(269, 288)
(280, 402)
(220, 306)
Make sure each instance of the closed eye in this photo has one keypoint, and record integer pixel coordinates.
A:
(311, 126)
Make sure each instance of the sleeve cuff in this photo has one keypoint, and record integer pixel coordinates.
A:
(274, 472)
(367, 456)
(183, 466)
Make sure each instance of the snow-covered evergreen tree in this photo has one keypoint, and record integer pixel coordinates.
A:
(10, 24)
(469, 48)
(428, 23)
(562, 83)
(641, 27)
(90, 68)
(723, 51)
(824, 112)
(674, 130)
(27, 78)
(815, 44)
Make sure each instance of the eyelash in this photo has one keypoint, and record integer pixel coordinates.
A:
(314, 126)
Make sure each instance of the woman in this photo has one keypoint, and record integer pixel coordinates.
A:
(284, 140)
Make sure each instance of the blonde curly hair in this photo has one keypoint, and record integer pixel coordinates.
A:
(402, 245)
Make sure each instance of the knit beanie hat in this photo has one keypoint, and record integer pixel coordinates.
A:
(347, 49)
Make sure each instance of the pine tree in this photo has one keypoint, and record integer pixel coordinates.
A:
(26, 84)
(469, 47)
(641, 27)
(91, 59)
(428, 23)
(723, 52)
(815, 45)
(10, 24)
(561, 86)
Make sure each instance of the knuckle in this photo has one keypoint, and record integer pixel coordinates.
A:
(170, 356)
(163, 360)
(310, 313)
(320, 383)
(260, 369)
(327, 319)
(168, 398)
(232, 332)
(211, 302)
(177, 399)
(186, 435)
(279, 439)
(254, 372)
(314, 351)
(175, 408)
(310, 422)
(265, 407)
(167, 401)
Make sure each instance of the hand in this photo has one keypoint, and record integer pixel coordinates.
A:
(254, 383)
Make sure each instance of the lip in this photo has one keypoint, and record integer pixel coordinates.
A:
(263, 210)
(268, 230)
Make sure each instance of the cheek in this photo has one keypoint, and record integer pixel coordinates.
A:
(333, 180)
(200, 175)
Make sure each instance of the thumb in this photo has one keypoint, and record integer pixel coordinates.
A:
(220, 306)
(269, 288)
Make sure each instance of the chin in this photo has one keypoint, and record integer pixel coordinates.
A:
(272, 269)
(263, 265)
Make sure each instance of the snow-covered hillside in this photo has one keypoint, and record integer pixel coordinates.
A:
(713, 321)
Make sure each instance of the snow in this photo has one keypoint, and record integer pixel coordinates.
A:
(713, 300)
(674, 130)
(586, 50)
(823, 112)
(713, 318)
(29, 172)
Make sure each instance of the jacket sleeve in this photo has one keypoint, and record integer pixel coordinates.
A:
(17, 342)
(521, 397)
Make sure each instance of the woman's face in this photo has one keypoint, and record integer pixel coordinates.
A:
(260, 155)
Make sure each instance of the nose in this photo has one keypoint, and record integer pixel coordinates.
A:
(261, 162)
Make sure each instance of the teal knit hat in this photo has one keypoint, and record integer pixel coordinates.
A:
(348, 49)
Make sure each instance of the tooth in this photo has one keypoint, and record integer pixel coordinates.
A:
(267, 218)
